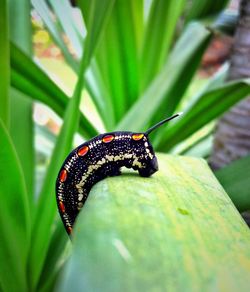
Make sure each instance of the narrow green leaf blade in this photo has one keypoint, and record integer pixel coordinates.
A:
(207, 107)
(21, 123)
(99, 12)
(235, 180)
(118, 55)
(90, 18)
(63, 10)
(204, 8)
(134, 234)
(14, 218)
(4, 63)
(158, 37)
(55, 257)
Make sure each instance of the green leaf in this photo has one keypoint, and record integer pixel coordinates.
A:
(207, 107)
(21, 108)
(158, 234)
(203, 8)
(235, 180)
(119, 73)
(158, 37)
(43, 10)
(213, 83)
(46, 209)
(166, 81)
(100, 95)
(227, 22)
(27, 77)
(4, 63)
(63, 10)
(55, 256)
(14, 218)
(99, 13)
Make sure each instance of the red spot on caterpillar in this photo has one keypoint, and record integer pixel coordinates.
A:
(108, 138)
(69, 229)
(63, 175)
(83, 151)
(137, 137)
(61, 206)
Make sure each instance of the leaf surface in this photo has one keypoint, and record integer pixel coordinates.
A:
(159, 233)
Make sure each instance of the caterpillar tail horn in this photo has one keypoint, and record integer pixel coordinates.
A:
(161, 123)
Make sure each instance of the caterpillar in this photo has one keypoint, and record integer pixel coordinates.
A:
(98, 158)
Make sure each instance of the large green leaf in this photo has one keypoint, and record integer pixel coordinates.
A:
(46, 209)
(158, 37)
(207, 107)
(235, 180)
(14, 218)
(4, 63)
(158, 91)
(158, 234)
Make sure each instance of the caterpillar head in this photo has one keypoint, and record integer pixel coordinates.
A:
(150, 163)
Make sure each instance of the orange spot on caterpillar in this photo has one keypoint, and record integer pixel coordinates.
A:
(137, 137)
(69, 229)
(108, 138)
(61, 206)
(83, 151)
(63, 175)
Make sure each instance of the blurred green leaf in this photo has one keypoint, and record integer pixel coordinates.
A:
(134, 234)
(203, 8)
(63, 10)
(207, 107)
(27, 77)
(226, 22)
(158, 91)
(235, 180)
(46, 209)
(218, 80)
(200, 148)
(56, 251)
(158, 37)
(44, 11)
(14, 218)
(56, 32)
(4, 63)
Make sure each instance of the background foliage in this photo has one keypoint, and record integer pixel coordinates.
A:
(136, 61)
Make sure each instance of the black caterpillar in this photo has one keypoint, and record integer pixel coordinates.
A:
(98, 158)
